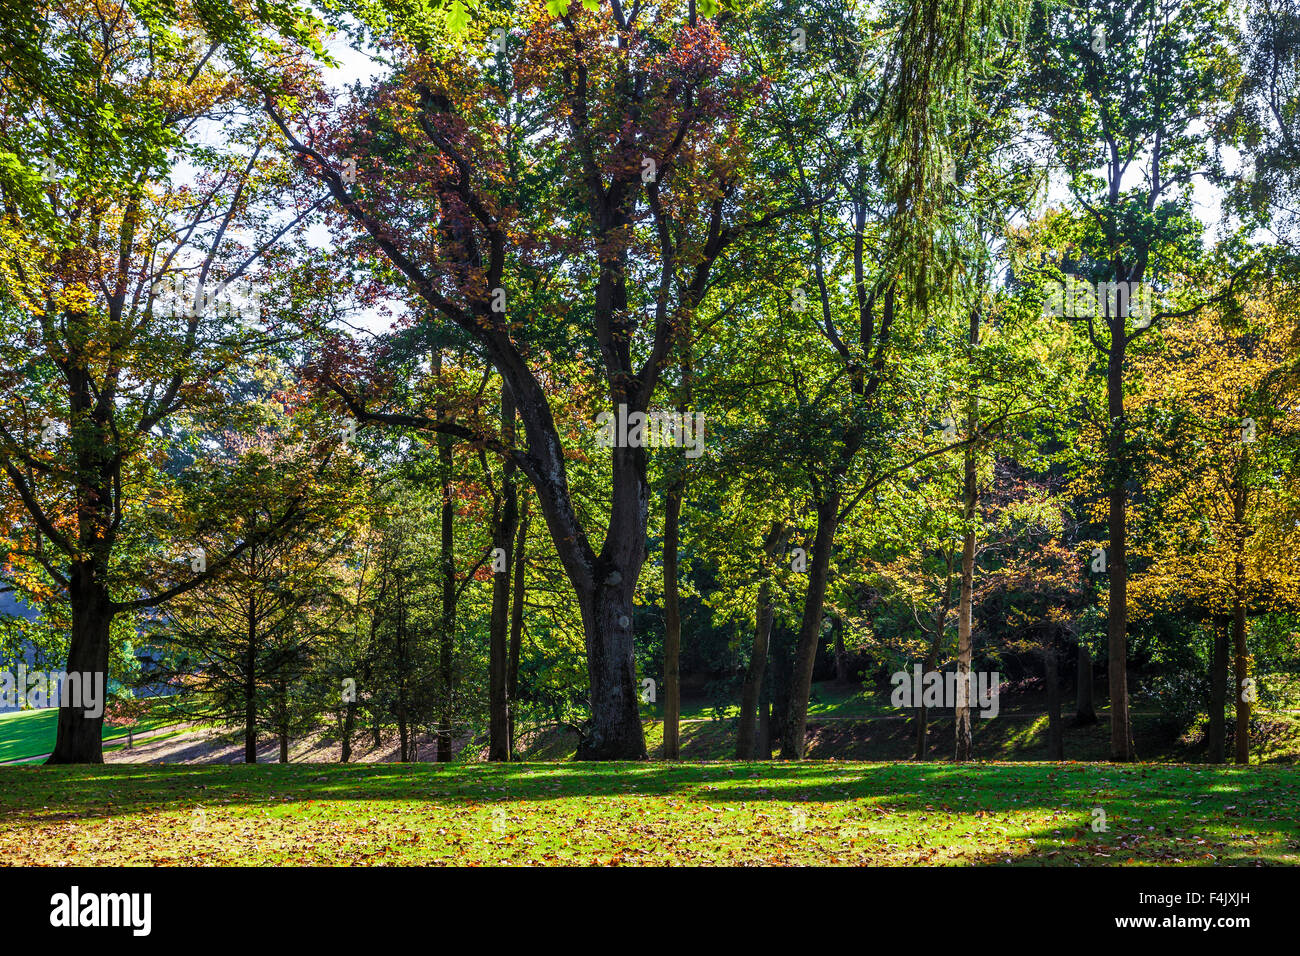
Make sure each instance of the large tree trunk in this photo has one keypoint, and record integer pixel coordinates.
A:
(498, 647)
(605, 587)
(80, 738)
(1216, 745)
(603, 583)
(672, 624)
(614, 731)
(517, 621)
(1121, 732)
(810, 627)
(1085, 710)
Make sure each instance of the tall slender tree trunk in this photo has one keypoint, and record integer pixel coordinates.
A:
(842, 675)
(349, 723)
(764, 729)
(498, 641)
(1121, 732)
(810, 627)
(1052, 681)
(282, 718)
(250, 687)
(1240, 656)
(403, 671)
(672, 623)
(754, 675)
(1085, 710)
(517, 621)
(672, 544)
(963, 742)
(1218, 731)
(1241, 675)
(931, 663)
(749, 716)
(447, 564)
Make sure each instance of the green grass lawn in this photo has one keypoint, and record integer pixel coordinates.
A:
(648, 813)
(28, 733)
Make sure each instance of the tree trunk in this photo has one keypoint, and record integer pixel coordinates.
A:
(810, 627)
(1051, 679)
(517, 622)
(250, 687)
(745, 732)
(1216, 744)
(931, 664)
(614, 731)
(1121, 732)
(447, 562)
(498, 643)
(841, 655)
(282, 719)
(764, 729)
(349, 721)
(963, 742)
(1085, 711)
(672, 624)
(1241, 674)
(752, 690)
(80, 738)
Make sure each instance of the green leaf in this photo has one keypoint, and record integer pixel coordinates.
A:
(557, 8)
(457, 17)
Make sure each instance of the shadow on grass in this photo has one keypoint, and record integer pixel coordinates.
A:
(1141, 802)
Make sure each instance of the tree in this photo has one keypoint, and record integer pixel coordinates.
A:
(97, 363)
(656, 196)
(1217, 533)
(1128, 82)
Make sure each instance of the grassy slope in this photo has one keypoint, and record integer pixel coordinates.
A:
(845, 724)
(29, 733)
(828, 813)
